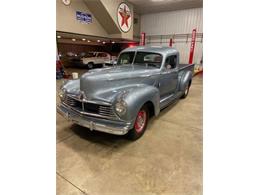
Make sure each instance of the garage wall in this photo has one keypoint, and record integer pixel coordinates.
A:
(137, 25)
(66, 19)
(178, 22)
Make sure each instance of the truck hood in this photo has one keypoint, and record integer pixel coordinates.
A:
(106, 84)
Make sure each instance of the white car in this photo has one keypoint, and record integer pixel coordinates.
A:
(93, 59)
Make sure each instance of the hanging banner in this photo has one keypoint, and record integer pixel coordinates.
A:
(192, 46)
(170, 44)
(142, 41)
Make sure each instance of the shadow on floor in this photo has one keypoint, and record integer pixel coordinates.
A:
(99, 137)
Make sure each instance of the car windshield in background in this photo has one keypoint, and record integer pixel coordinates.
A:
(141, 58)
(89, 55)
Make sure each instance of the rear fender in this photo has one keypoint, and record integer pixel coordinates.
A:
(185, 79)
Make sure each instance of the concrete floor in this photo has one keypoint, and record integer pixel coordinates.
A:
(166, 160)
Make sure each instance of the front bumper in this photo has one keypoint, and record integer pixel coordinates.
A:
(98, 124)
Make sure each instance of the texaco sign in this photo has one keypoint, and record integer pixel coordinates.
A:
(124, 17)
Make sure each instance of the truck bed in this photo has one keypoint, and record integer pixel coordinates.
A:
(184, 66)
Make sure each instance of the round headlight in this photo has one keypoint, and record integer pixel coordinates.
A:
(121, 107)
(62, 94)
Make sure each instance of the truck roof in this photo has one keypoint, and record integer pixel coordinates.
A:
(157, 49)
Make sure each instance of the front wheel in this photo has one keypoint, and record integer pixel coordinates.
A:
(140, 124)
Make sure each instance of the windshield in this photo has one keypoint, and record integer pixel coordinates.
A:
(141, 58)
(90, 54)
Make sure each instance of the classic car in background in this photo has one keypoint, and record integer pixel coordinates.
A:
(121, 99)
(93, 59)
(71, 59)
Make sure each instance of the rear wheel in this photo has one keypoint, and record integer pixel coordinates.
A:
(186, 92)
(140, 124)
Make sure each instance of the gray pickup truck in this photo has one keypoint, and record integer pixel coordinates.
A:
(121, 99)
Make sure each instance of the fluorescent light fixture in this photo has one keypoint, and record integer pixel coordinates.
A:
(83, 39)
(73, 39)
(58, 36)
(98, 40)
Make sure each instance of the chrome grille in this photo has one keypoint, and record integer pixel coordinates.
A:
(72, 102)
(90, 108)
(106, 111)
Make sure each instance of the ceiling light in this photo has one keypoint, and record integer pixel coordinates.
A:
(73, 39)
(88, 41)
(104, 42)
(113, 42)
(58, 36)
(83, 39)
(98, 41)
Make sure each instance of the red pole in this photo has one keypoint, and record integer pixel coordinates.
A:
(170, 44)
(192, 46)
(142, 41)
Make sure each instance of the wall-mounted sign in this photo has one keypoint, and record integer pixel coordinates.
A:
(66, 2)
(124, 17)
(83, 17)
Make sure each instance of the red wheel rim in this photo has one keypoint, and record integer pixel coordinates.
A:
(140, 121)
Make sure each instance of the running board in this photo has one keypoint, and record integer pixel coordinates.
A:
(170, 99)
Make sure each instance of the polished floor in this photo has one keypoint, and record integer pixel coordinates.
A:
(166, 160)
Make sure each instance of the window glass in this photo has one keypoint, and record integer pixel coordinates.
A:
(126, 58)
(90, 54)
(100, 55)
(147, 59)
(171, 62)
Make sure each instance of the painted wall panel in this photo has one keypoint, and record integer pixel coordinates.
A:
(176, 22)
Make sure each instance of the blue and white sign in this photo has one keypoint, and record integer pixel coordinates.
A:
(83, 17)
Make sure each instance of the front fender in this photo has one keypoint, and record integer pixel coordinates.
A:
(72, 86)
(184, 80)
(136, 97)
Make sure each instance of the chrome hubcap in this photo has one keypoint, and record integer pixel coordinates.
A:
(140, 121)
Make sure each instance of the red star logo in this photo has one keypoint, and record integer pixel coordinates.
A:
(125, 16)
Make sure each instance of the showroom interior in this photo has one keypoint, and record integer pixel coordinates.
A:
(167, 159)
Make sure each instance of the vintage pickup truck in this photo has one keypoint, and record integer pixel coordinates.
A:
(121, 99)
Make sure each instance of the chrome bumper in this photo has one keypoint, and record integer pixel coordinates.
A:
(103, 125)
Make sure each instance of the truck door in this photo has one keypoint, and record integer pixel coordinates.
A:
(169, 76)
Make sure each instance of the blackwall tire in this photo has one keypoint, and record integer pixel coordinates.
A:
(139, 127)
(90, 65)
(186, 92)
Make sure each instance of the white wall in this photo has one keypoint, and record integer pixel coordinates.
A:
(181, 21)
